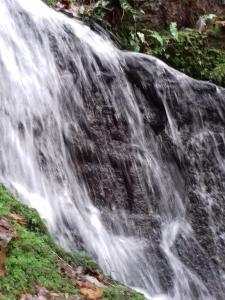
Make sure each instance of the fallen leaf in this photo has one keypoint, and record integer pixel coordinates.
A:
(18, 219)
(85, 284)
(89, 285)
(91, 294)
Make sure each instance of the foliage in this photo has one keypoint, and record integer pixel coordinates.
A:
(98, 11)
(199, 55)
(173, 31)
(207, 17)
(102, 10)
(51, 2)
(194, 54)
(218, 73)
(129, 10)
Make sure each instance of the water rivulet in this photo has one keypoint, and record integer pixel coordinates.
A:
(121, 154)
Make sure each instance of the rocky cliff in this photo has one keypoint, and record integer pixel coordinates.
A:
(160, 13)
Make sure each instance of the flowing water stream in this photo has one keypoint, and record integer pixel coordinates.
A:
(51, 71)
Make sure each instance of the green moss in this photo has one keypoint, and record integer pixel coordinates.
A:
(9, 204)
(30, 261)
(199, 55)
(54, 2)
(121, 293)
(51, 2)
(195, 54)
(7, 297)
(32, 258)
(83, 259)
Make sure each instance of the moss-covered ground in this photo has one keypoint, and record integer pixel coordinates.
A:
(32, 258)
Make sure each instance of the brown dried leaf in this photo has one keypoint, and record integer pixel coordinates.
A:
(86, 284)
(91, 294)
(18, 219)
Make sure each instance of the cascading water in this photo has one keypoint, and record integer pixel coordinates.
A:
(123, 156)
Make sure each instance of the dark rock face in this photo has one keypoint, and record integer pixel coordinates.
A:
(183, 123)
(199, 160)
(160, 13)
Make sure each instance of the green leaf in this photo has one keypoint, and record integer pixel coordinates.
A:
(141, 36)
(207, 17)
(155, 35)
(174, 31)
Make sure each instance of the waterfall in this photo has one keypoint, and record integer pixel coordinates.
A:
(123, 156)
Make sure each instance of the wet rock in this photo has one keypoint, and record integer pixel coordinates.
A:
(184, 134)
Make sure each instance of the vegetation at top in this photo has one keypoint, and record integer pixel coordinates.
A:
(198, 53)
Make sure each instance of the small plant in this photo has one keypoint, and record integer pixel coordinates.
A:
(51, 2)
(129, 10)
(174, 31)
(218, 74)
(207, 17)
(100, 9)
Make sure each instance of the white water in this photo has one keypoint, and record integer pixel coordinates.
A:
(34, 160)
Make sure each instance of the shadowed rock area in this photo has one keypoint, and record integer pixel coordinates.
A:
(193, 159)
